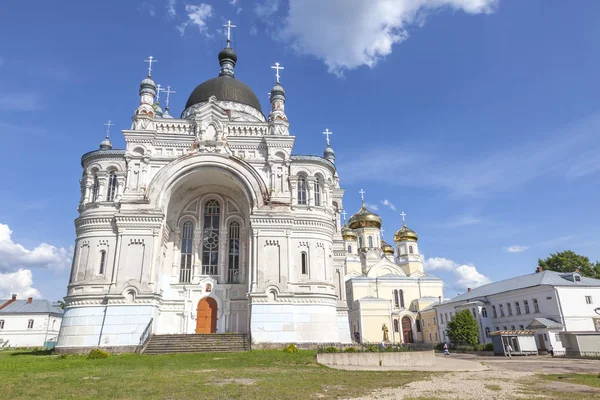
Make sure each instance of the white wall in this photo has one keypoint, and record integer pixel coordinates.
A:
(17, 333)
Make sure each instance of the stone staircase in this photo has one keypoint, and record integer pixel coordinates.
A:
(197, 343)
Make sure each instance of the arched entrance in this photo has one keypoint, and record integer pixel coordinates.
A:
(407, 330)
(206, 316)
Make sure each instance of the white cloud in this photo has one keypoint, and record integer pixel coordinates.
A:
(14, 255)
(372, 207)
(19, 283)
(147, 7)
(266, 9)
(197, 15)
(354, 33)
(462, 220)
(236, 3)
(171, 8)
(21, 102)
(516, 249)
(466, 275)
(387, 203)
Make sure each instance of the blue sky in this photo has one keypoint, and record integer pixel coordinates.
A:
(480, 119)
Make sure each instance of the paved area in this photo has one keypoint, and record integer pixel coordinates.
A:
(442, 364)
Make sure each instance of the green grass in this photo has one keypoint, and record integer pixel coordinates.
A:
(592, 380)
(494, 388)
(259, 375)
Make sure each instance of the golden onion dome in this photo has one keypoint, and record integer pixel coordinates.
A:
(405, 233)
(387, 248)
(348, 234)
(364, 219)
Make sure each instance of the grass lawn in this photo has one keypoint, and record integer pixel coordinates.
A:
(249, 375)
(592, 380)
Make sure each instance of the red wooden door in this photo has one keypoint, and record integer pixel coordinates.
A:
(206, 316)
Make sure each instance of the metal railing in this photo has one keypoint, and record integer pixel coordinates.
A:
(145, 337)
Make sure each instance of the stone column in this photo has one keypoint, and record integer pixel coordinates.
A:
(129, 177)
(176, 255)
(310, 186)
(88, 182)
(102, 184)
(121, 179)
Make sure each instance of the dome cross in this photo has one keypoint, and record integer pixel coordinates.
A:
(362, 195)
(327, 133)
(403, 215)
(158, 90)
(108, 125)
(168, 92)
(344, 213)
(229, 25)
(150, 60)
(277, 67)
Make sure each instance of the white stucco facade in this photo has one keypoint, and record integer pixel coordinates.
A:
(546, 302)
(212, 205)
(28, 323)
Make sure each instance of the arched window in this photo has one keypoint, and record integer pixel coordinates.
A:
(371, 241)
(30, 324)
(304, 260)
(396, 299)
(360, 242)
(210, 248)
(418, 325)
(102, 262)
(302, 195)
(349, 249)
(396, 326)
(401, 297)
(233, 273)
(317, 192)
(95, 188)
(187, 236)
(487, 332)
(483, 312)
(410, 249)
(112, 187)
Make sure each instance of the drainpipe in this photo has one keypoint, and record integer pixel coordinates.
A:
(105, 301)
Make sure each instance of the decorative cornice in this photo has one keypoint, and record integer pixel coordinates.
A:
(313, 160)
(103, 154)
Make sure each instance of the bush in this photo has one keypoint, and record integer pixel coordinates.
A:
(372, 349)
(291, 348)
(62, 356)
(350, 350)
(331, 349)
(488, 347)
(439, 346)
(97, 354)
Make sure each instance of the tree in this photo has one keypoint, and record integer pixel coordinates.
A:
(569, 261)
(463, 329)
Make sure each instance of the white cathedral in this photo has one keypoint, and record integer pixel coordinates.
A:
(209, 224)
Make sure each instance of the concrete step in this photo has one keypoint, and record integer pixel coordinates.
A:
(198, 343)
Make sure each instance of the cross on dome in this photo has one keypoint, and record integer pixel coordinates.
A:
(327, 133)
(229, 26)
(150, 60)
(108, 125)
(362, 195)
(168, 92)
(158, 90)
(277, 67)
(381, 233)
(344, 213)
(403, 215)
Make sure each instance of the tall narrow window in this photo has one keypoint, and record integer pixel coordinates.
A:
(518, 307)
(396, 326)
(349, 249)
(112, 187)
(536, 307)
(401, 296)
(494, 311)
(526, 304)
(302, 195)
(360, 242)
(210, 249)
(30, 324)
(95, 188)
(233, 274)
(370, 241)
(410, 249)
(317, 192)
(483, 312)
(487, 332)
(501, 310)
(187, 236)
(102, 262)
(396, 299)
(418, 325)
(1, 324)
(509, 309)
(304, 261)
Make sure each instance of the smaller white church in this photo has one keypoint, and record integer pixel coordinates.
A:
(385, 287)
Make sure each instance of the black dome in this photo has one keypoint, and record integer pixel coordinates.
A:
(224, 88)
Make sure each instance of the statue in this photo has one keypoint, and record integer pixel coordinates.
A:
(385, 330)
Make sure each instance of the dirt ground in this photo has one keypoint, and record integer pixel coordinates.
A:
(503, 378)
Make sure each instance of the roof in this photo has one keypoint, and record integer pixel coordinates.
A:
(549, 323)
(392, 277)
(547, 278)
(513, 333)
(35, 307)
(107, 153)
(224, 88)
(314, 159)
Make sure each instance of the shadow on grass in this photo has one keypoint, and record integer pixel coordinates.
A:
(35, 352)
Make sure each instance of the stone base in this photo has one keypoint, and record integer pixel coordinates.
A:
(392, 359)
(86, 350)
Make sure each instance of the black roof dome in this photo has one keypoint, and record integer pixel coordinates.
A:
(225, 87)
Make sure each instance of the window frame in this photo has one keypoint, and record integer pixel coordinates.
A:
(302, 192)
(30, 324)
(483, 312)
(111, 191)
(589, 300)
(494, 312)
(187, 258)
(304, 262)
(1, 324)
(233, 252)
(102, 262)
(536, 306)
(526, 306)
(318, 192)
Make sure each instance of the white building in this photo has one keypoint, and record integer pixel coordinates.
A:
(547, 302)
(28, 323)
(207, 223)
(385, 294)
